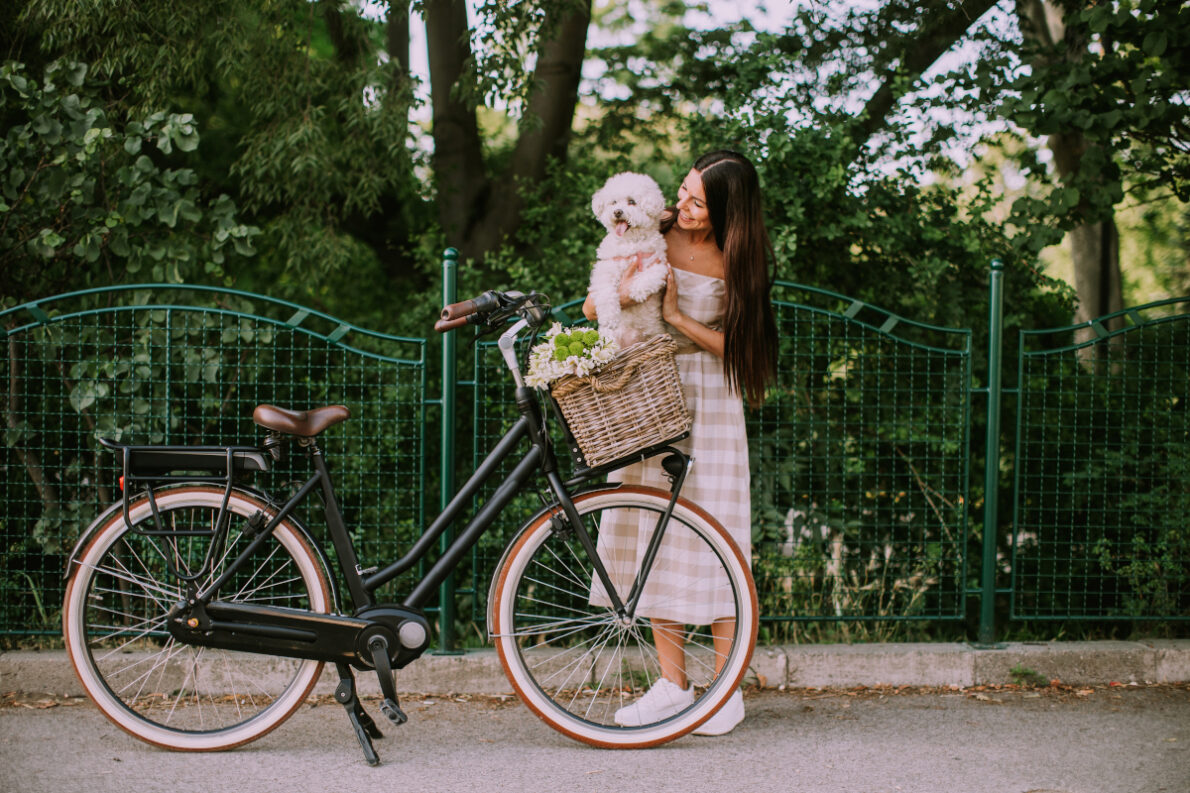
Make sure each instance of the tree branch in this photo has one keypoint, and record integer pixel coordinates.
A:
(347, 42)
(942, 28)
(396, 34)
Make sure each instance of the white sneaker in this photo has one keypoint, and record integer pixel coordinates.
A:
(726, 718)
(663, 699)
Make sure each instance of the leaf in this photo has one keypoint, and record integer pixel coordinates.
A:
(15, 434)
(1155, 43)
(76, 74)
(83, 396)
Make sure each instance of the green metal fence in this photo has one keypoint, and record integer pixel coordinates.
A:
(858, 458)
(1102, 494)
(862, 457)
(859, 461)
(174, 365)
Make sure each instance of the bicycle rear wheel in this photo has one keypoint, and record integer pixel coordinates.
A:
(154, 687)
(576, 662)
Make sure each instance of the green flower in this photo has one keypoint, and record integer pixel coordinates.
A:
(561, 353)
(591, 337)
(577, 348)
(562, 340)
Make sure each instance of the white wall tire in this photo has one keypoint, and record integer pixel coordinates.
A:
(161, 691)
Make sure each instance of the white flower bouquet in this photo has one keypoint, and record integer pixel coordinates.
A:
(578, 352)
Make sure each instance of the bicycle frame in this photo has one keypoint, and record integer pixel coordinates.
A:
(362, 584)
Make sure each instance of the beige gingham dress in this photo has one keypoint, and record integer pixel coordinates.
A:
(687, 583)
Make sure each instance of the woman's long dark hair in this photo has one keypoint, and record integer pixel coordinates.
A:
(732, 191)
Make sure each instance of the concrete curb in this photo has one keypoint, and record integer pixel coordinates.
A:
(802, 666)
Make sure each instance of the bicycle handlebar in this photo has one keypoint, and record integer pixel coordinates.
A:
(476, 305)
(490, 307)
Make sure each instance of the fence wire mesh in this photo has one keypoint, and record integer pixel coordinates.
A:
(178, 366)
(1102, 495)
(860, 456)
(859, 466)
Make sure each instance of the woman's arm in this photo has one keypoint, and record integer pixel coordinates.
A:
(707, 338)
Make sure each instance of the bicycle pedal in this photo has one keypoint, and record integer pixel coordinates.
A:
(393, 712)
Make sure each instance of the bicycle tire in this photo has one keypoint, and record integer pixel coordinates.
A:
(154, 687)
(574, 663)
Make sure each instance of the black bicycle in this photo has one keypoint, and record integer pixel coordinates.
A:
(200, 610)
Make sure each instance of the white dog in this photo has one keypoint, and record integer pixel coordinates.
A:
(630, 206)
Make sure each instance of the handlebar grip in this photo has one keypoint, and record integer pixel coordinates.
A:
(477, 305)
(443, 325)
(457, 311)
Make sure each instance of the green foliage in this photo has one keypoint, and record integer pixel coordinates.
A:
(81, 194)
(1024, 676)
(163, 373)
(1118, 79)
(309, 127)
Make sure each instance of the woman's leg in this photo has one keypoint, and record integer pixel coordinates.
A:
(721, 630)
(670, 640)
(671, 646)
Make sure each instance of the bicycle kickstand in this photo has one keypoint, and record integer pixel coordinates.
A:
(365, 728)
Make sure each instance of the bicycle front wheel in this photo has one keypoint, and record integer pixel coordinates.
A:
(127, 579)
(577, 663)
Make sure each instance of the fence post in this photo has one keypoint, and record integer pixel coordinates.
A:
(446, 591)
(991, 489)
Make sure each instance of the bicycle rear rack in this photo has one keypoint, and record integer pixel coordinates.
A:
(157, 466)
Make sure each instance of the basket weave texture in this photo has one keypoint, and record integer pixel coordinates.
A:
(633, 402)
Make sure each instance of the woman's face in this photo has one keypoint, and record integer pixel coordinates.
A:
(692, 204)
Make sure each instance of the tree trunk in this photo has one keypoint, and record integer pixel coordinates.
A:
(459, 170)
(479, 210)
(1094, 245)
(544, 132)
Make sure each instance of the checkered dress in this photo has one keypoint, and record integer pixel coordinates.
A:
(687, 583)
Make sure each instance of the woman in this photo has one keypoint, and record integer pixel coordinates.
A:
(717, 307)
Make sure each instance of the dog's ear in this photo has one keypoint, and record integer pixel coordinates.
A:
(652, 199)
(599, 201)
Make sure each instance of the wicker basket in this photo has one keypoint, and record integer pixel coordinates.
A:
(632, 403)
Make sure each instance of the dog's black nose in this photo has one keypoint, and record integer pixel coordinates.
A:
(618, 213)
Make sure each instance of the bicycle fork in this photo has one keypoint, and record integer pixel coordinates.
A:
(677, 466)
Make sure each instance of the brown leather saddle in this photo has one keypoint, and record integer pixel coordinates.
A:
(305, 423)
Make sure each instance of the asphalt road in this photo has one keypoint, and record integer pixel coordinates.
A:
(1089, 740)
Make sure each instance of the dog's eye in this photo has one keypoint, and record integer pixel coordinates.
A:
(631, 202)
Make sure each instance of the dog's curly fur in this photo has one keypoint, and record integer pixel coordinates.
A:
(630, 206)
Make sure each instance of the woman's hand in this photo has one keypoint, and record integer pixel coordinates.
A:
(669, 299)
(709, 339)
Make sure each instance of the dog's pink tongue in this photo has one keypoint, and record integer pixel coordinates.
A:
(621, 227)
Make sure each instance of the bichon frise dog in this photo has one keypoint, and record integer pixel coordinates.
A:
(630, 206)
